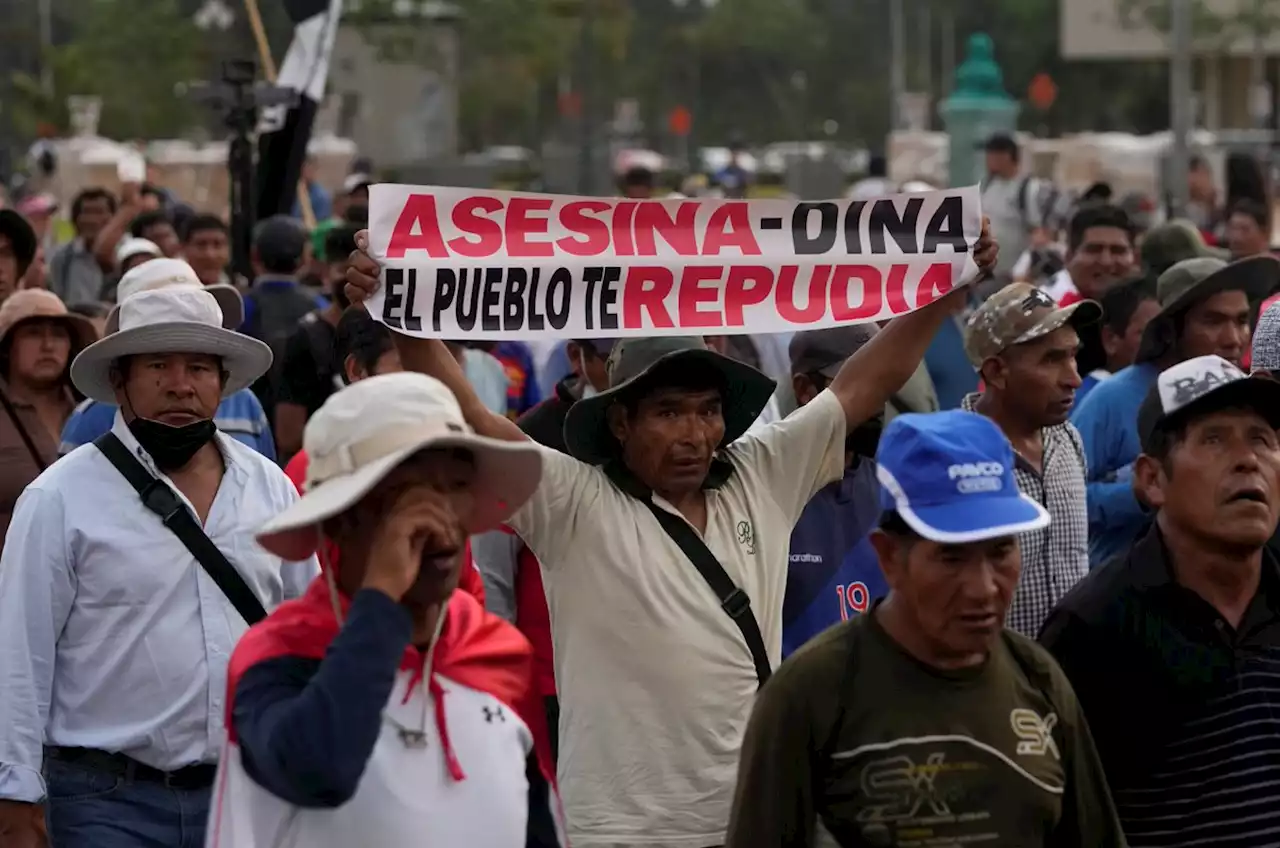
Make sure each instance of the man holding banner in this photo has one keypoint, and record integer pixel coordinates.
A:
(663, 535)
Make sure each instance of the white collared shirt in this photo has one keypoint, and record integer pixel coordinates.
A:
(112, 636)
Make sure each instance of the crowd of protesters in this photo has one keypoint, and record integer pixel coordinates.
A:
(1001, 571)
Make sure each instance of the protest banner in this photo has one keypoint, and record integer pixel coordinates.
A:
(466, 263)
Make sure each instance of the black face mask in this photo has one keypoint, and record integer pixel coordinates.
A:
(171, 447)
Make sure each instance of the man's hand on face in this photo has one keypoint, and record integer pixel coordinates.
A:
(417, 521)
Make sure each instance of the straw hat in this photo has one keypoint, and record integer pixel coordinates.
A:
(364, 431)
(28, 304)
(172, 319)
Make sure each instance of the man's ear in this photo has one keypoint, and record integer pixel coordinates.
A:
(573, 351)
(616, 415)
(351, 369)
(1110, 341)
(889, 550)
(1149, 480)
(994, 372)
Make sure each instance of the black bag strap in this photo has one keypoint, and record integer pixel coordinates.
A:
(22, 433)
(733, 600)
(160, 499)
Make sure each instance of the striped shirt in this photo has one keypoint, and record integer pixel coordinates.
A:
(1056, 557)
(1185, 708)
(240, 416)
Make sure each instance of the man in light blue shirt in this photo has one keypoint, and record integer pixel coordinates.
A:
(1204, 309)
(114, 638)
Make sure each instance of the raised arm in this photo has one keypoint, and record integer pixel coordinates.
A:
(883, 365)
(428, 356)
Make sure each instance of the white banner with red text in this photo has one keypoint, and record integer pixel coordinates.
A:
(471, 264)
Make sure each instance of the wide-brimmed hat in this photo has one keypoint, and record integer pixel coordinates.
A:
(31, 304)
(1017, 314)
(165, 273)
(364, 431)
(1167, 244)
(746, 391)
(174, 319)
(21, 236)
(1193, 280)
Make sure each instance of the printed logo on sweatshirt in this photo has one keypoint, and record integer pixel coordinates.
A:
(1035, 734)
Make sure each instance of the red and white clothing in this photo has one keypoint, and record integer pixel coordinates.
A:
(341, 737)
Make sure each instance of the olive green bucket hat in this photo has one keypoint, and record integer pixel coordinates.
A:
(1193, 280)
(1173, 241)
(633, 362)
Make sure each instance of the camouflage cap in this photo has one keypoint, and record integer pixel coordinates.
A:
(1017, 314)
(1171, 243)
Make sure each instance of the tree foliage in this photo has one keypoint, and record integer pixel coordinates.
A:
(766, 69)
(134, 54)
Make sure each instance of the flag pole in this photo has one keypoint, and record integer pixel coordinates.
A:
(269, 69)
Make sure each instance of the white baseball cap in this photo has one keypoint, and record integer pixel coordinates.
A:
(130, 247)
(169, 319)
(164, 273)
(364, 431)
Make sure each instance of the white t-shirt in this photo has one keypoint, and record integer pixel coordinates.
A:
(655, 680)
(1061, 286)
(1010, 225)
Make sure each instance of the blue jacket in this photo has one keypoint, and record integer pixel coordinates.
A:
(948, 366)
(1108, 423)
(240, 416)
(834, 572)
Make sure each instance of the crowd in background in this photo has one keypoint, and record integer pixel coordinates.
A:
(1073, 370)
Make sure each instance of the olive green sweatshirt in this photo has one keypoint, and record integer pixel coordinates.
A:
(856, 734)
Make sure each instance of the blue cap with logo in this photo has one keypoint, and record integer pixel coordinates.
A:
(950, 476)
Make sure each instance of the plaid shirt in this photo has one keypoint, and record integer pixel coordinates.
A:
(1055, 558)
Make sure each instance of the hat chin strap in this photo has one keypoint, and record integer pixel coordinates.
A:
(326, 566)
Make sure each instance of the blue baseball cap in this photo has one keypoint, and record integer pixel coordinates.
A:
(950, 476)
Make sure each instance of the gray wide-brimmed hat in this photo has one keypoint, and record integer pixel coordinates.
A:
(175, 319)
(632, 361)
(1191, 281)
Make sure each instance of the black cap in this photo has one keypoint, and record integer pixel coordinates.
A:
(21, 236)
(1000, 142)
(281, 242)
(824, 351)
(1199, 386)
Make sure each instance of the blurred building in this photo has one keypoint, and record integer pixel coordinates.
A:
(1118, 30)
(393, 82)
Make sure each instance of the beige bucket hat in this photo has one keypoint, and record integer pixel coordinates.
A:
(364, 431)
